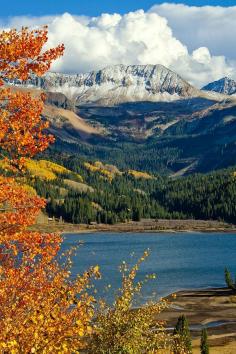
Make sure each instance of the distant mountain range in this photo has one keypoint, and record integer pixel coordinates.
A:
(119, 84)
(225, 86)
(141, 117)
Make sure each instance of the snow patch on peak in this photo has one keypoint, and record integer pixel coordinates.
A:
(122, 83)
(225, 86)
(118, 84)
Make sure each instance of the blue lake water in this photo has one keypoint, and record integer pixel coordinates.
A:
(180, 260)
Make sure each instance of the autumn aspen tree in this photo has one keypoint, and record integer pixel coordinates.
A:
(42, 309)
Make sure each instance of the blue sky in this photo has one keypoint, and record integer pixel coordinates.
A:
(196, 41)
(89, 7)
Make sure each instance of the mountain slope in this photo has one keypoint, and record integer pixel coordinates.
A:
(139, 118)
(82, 192)
(117, 84)
(225, 86)
(65, 124)
(187, 136)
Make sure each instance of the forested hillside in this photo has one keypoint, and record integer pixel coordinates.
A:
(85, 192)
(210, 196)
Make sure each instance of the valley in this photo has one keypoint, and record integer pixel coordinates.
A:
(179, 141)
(117, 178)
(171, 128)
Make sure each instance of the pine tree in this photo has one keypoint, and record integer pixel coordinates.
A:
(204, 342)
(183, 338)
(228, 280)
(136, 215)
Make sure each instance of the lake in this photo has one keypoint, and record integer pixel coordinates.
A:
(180, 260)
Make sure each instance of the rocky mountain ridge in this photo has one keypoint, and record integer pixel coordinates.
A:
(139, 117)
(224, 86)
(117, 84)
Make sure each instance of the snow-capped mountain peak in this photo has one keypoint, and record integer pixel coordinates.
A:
(225, 86)
(118, 84)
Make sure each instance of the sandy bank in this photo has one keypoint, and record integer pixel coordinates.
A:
(141, 226)
(214, 309)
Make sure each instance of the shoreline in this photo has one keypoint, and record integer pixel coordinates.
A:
(212, 308)
(144, 226)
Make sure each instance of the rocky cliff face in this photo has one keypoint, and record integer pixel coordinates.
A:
(225, 86)
(118, 84)
(59, 100)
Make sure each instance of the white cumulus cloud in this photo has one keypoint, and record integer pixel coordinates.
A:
(197, 26)
(135, 38)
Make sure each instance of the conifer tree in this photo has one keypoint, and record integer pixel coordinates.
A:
(136, 215)
(183, 340)
(204, 342)
(229, 280)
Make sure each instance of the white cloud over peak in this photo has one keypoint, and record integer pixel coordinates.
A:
(135, 38)
(213, 27)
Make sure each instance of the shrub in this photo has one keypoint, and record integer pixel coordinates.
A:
(122, 329)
